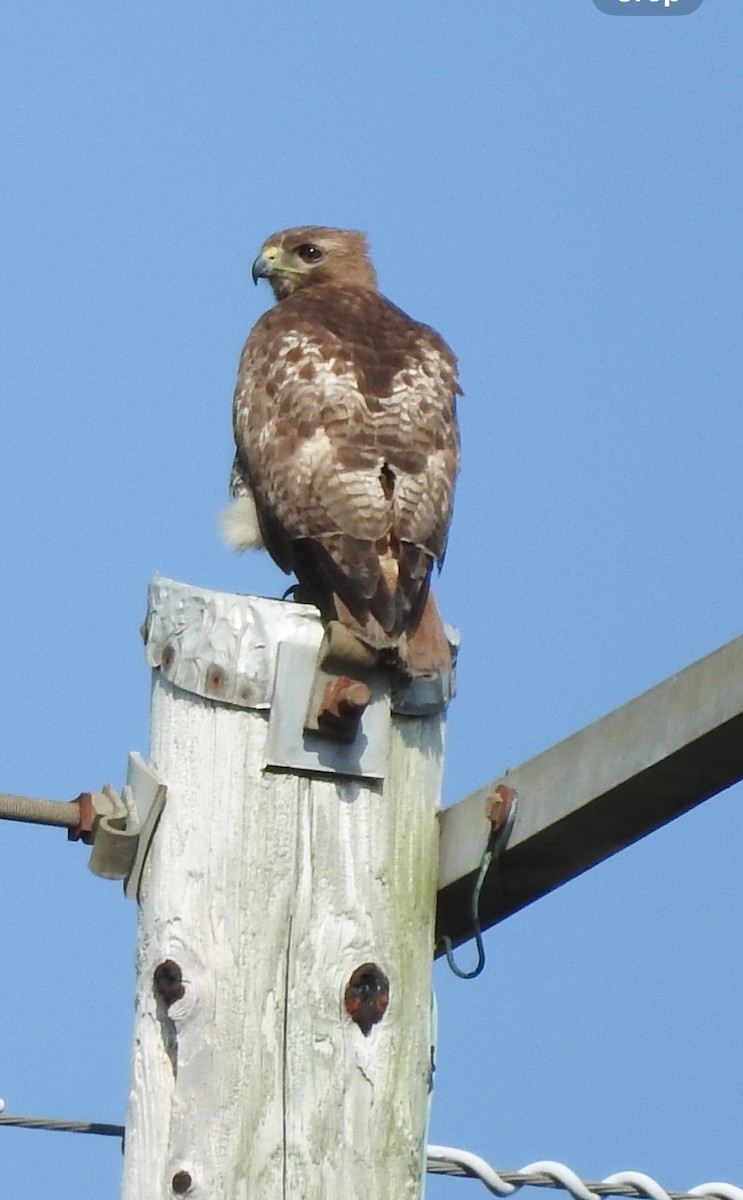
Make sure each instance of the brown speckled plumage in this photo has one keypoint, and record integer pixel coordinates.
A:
(345, 424)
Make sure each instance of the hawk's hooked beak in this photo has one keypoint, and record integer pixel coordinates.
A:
(263, 265)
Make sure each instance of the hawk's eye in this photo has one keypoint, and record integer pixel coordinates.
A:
(309, 253)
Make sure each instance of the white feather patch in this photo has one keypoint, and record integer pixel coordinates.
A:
(239, 525)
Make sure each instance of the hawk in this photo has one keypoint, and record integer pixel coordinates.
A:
(347, 445)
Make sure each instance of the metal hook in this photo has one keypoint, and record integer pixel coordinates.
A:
(496, 844)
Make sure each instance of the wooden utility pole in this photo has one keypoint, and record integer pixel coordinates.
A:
(283, 1033)
(282, 1042)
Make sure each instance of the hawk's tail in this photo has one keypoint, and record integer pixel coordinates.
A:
(426, 651)
(422, 652)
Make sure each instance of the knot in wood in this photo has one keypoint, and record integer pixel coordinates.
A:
(367, 996)
(168, 981)
(181, 1182)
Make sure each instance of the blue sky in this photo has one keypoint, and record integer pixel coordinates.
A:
(558, 192)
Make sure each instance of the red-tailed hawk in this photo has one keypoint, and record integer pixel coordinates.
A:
(347, 445)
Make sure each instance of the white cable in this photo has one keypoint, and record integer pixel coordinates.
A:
(644, 1184)
(472, 1164)
(563, 1177)
(727, 1190)
(546, 1172)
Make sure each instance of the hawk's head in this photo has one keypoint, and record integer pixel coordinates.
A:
(312, 254)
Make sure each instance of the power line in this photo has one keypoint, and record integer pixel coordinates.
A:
(54, 1126)
(448, 1160)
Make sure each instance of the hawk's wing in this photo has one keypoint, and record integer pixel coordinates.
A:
(345, 425)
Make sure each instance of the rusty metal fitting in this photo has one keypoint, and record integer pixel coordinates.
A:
(77, 816)
(343, 704)
(86, 820)
(499, 805)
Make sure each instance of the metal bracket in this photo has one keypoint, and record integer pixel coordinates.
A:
(336, 703)
(294, 747)
(118, 827)
(424, 697)
(124, 832)
(146, 794)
